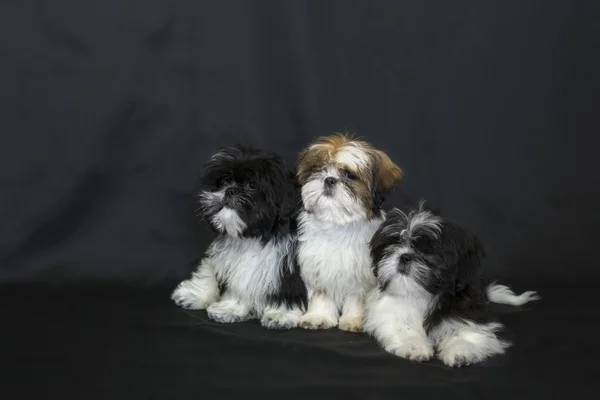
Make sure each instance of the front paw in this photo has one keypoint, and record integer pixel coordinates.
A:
(351, 323)
(191, 296)
(317, 321)
(227, 313)
(280, 319)
(411, 348)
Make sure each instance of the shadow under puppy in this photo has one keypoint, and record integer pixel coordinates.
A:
(250, 199)
(431, 293)
(343, 183)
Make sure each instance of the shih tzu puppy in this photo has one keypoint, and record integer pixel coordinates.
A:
(249, 197)
(431, 295)
(343, 183)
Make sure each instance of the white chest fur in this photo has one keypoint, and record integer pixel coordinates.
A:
(250, 270)
(335, 258)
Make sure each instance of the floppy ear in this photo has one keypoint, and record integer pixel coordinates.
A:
(386, 174)
(290, 199)
(302, 165)
(301, 155)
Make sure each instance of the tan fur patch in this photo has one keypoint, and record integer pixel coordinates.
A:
(387, 174)
(375, 172)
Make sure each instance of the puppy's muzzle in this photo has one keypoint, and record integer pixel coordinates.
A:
(329, 184)
(404, 263)
(229, 196)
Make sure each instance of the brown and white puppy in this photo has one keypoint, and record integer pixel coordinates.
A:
(343, 182)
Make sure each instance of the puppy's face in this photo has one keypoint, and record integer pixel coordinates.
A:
(245, 192)
(421, 251)
(344, 180)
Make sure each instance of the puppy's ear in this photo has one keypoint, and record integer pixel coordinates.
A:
(301, 156)
(386, 174)
(302, 165)
(288, 205)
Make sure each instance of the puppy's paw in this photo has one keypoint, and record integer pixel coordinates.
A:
(228, 312)
(317, 321)
(193, 296)
(461, 353)
(280, 319)
(352, 323)
(413, 348)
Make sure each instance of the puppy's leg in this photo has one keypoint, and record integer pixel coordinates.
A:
(229, 309)
(288, 302)
(281, 316)
(322, 312)
(353, 314)
(200, 290)
(397, 327)
(404, 341)
(462, 343)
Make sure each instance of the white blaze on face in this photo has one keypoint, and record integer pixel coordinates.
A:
(353, 156)
(424, 220)
(387, 270)
(228, 221)
(341, 206)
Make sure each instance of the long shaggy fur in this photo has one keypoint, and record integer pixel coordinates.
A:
(343, 182)
(249, 198)
(430, 293)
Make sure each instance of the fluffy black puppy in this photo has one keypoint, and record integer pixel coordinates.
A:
(249, 197)
(431, 293)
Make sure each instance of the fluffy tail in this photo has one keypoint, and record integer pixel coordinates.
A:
(502, 294)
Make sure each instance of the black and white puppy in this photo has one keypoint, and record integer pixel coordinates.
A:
(249, 197)
(431, 293)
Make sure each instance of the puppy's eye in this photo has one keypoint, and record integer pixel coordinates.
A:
(423, 243)
(251, 185)
(223, 181)
(349, 175)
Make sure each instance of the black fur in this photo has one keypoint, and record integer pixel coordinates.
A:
(452, 256)
(265, 195)
(293, 290)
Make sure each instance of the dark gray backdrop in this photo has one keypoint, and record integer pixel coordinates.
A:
(110, 107)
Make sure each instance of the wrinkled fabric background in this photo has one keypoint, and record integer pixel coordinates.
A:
(109, 109)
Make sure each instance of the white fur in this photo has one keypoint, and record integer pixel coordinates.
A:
(504, 295)
(230, 309)
(388, 268)
(395, 318)
(353, 314)
(353, 156)
(200, 290)
(251, 272)
(335, 265)
(424, 220)
(465, 342)
(340, 208)
(227, 220)
(281, 317)
(211, 199)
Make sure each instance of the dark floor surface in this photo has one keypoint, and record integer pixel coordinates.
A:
(112, 342)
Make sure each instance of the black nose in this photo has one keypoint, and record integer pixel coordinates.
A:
(229, 192)
(405, 258)
(330, 181)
